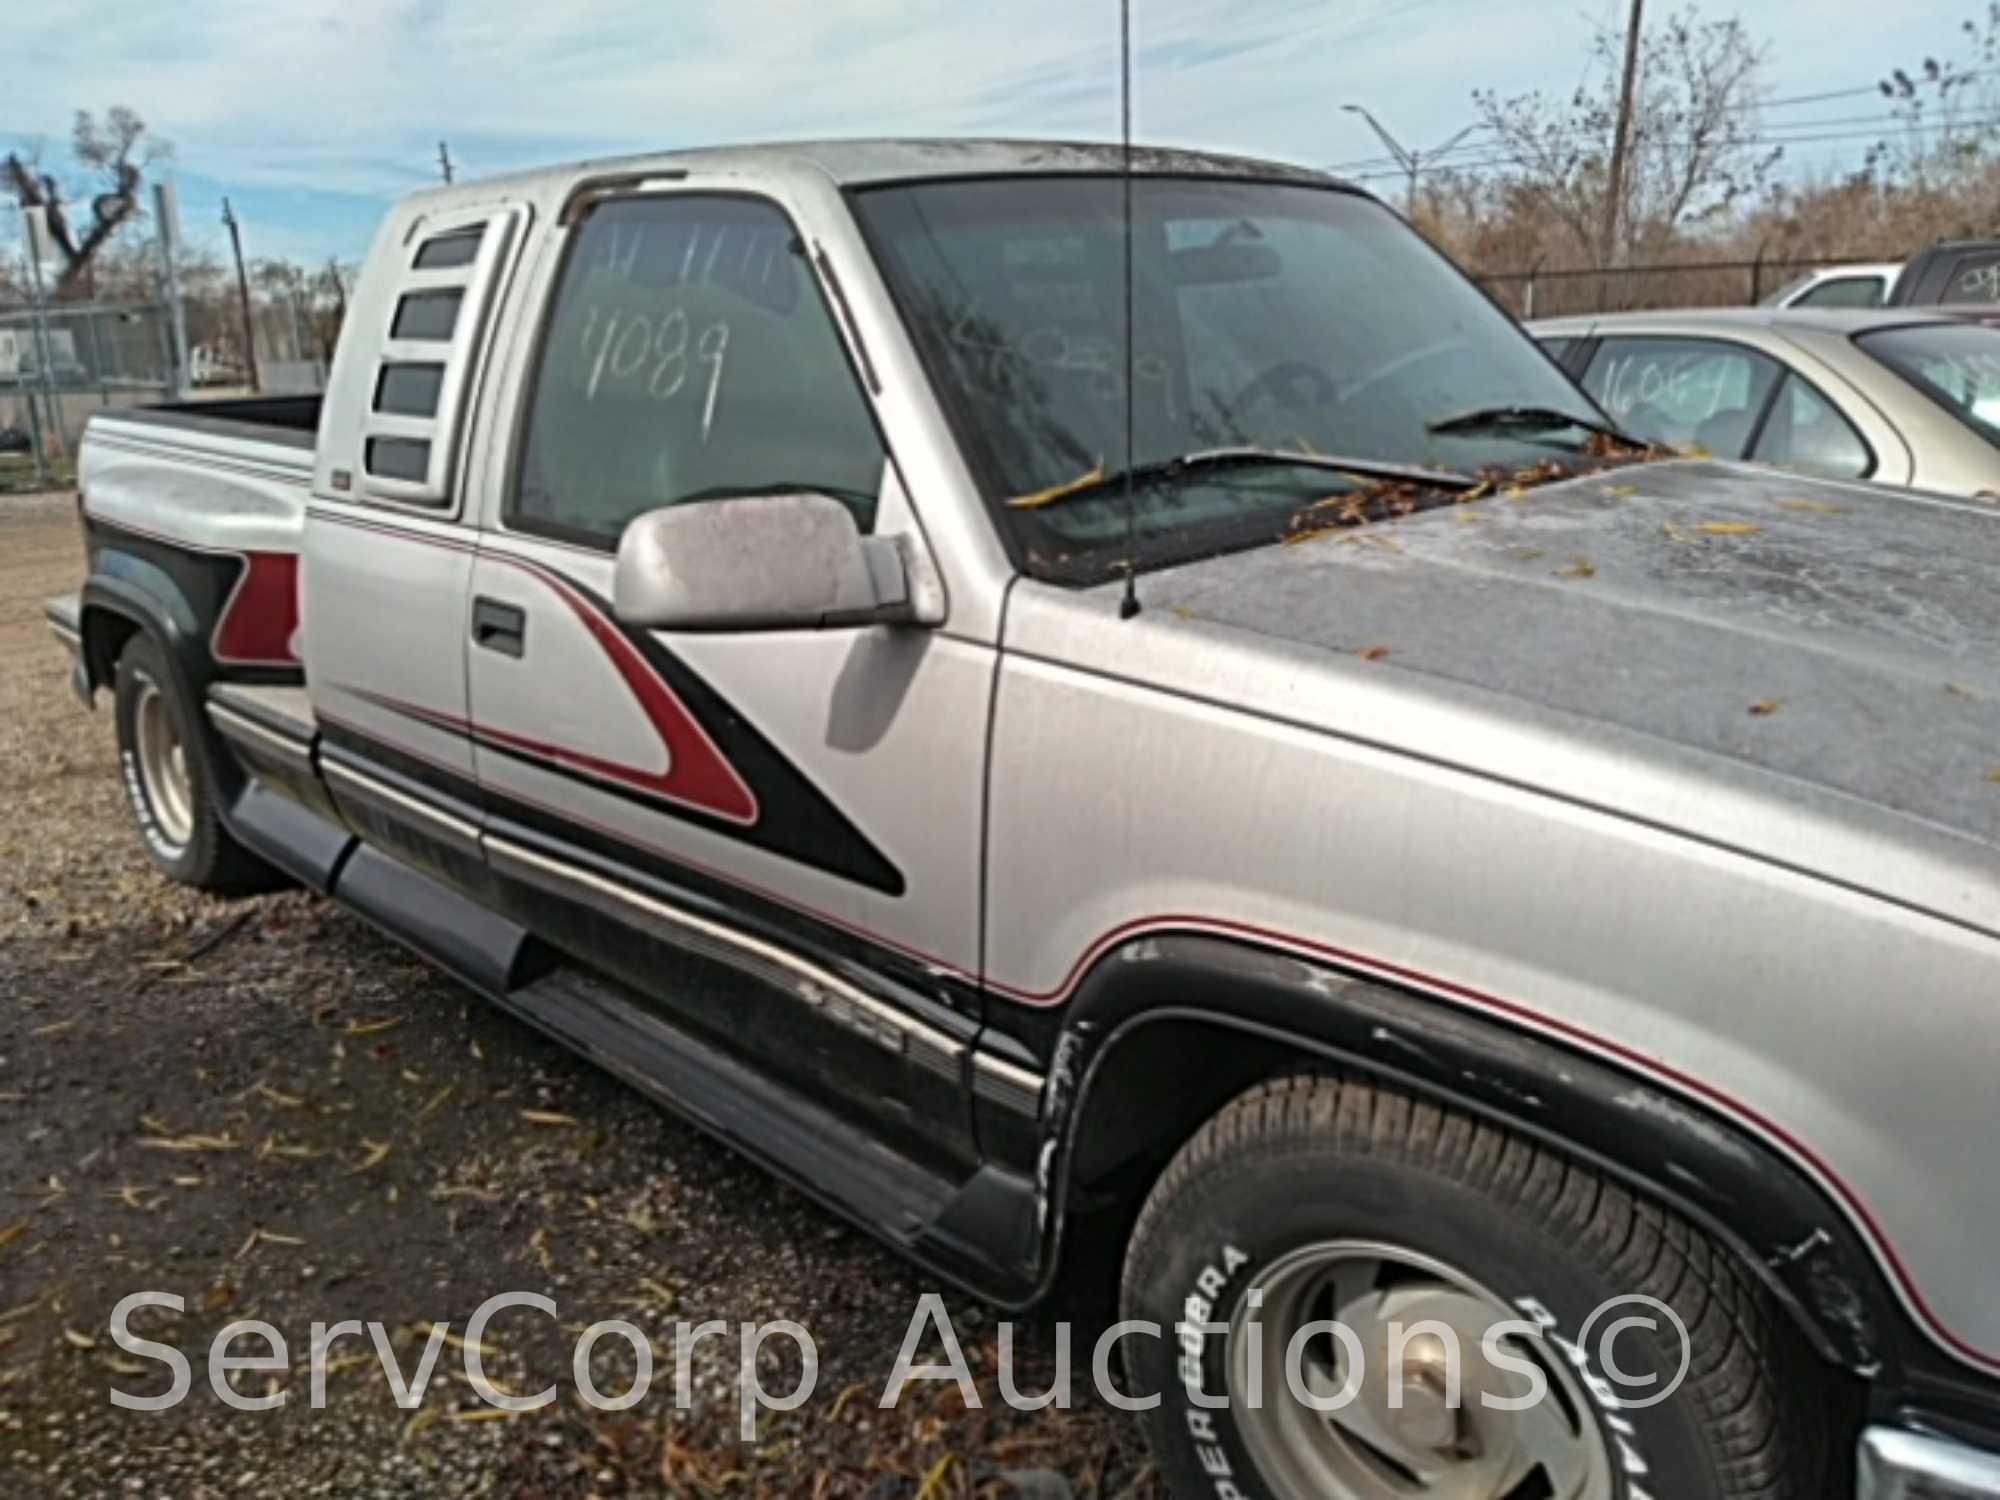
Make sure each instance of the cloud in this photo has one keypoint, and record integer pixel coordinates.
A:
(347, 99)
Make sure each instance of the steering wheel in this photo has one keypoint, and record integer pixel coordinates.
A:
(1402, 361)
(1293, 384)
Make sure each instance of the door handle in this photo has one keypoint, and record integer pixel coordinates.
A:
(499, 627)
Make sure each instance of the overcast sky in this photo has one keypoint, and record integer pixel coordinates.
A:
(312, 114)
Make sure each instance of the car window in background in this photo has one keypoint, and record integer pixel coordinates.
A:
(1975, 278)
(1783, 296)
(1845, 291)
(1955, 364)
(1806, 433)
(1690, 394)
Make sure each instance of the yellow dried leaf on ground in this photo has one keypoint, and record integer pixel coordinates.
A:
(547, 1117)
(369, 1028)
(1372, 653)
(78, 1340)
(1764, 708)
(1994, 775)
(1579, 567)
(1621, 491)
(1729, 528)
(1817, 507)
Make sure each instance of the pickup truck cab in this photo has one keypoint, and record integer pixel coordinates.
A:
(1385, 856)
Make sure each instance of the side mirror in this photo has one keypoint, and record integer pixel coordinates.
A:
(758, 562)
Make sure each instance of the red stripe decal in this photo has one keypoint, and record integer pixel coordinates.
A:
(262, 614)
(697, 775)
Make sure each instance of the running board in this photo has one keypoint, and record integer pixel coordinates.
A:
(983, 1233)
(815, 1150)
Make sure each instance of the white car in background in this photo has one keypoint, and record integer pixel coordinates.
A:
(1894, 395)
(1839, 286)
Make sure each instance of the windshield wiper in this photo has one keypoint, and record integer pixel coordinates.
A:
(1530, 419)
(1099, 479)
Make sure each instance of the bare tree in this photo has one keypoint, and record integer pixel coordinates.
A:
(1693, 148)
(1944, 114)
(111, 157)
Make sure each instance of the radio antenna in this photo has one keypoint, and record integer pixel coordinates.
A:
(1129, 605)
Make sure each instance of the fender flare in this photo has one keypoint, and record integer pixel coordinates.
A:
(1786, 1229)
(170, 621)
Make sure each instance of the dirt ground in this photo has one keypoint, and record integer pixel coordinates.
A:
(271, 1112)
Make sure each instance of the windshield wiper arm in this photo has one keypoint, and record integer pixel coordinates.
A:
(1524, 419)
(1099, 479)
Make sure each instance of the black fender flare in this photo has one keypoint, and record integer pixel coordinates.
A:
(1787, 1230)
(170, 621)
(173, 625)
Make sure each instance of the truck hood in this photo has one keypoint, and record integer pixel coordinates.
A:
(1832, 643)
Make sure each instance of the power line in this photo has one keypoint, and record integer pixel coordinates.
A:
(1506, 159)
(1368, 164)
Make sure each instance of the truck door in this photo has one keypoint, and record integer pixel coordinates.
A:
(773, 835)
(389, 539)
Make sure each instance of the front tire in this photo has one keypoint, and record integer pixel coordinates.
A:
(169, 781)
(1319, 1201)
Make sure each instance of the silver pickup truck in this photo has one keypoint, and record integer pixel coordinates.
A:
(1481, 921)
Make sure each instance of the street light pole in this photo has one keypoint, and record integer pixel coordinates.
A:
(1412, 162)
(243, 297)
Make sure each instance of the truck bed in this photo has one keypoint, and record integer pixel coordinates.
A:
(289, 420)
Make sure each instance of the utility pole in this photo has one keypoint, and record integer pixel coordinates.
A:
(1412, 162)
(243, 296)
(1621, 140)
(444, 162)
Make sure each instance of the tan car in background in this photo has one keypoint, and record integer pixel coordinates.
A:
(1891, 396)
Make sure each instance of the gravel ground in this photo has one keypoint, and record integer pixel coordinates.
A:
(273, 1113)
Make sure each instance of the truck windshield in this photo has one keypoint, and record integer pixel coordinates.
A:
(1273, 316)
(1956, 364)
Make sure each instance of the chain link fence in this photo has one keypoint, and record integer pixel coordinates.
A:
(1544, 293)
(61, 362)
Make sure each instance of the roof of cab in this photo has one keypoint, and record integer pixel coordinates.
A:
(1839, 320)
(855, 163)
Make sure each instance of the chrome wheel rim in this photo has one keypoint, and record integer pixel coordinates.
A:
(163, 769)
(1428, 1445)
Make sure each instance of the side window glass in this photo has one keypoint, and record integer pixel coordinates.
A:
(689, 356)
(1976, 278)
(1806, 433)
(1696, 395)
(1844, 291)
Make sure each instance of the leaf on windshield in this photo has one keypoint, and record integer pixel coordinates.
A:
(1579, 567)
(1729, 528)
(1817, 507)
(1764, 708)
(1056, 492)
